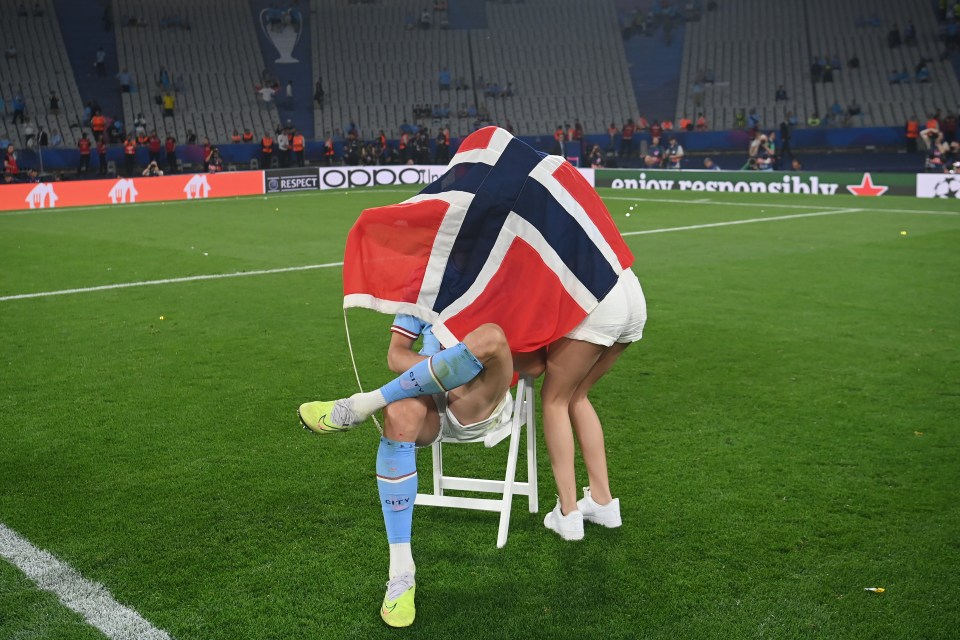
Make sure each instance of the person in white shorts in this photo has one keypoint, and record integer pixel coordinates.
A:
(574, 364)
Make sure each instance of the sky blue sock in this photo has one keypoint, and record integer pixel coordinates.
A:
(441, 372)
(397, 484)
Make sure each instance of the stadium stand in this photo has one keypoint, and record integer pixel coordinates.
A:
(555, 77)
(41, 65)
(751, 51)
(217, 61)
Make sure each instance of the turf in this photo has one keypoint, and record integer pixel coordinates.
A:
(784, 436)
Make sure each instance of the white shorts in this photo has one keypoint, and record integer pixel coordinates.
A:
(619, 317)
(451, 429)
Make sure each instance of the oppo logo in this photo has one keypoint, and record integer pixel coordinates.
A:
(376, 177)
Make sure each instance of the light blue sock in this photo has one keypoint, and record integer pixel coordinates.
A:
(397, 484)
(439, 373)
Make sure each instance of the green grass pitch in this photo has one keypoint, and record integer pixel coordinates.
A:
(785, 435)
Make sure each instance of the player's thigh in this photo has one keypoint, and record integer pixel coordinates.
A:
(412, 420)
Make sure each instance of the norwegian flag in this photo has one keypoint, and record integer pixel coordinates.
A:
(507, 235)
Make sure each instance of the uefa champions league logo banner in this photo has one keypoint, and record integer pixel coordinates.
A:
(938, 185)
(282, 28)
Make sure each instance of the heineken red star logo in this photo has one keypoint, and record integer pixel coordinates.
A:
(866, 187)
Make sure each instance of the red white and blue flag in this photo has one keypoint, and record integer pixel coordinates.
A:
(507, 235)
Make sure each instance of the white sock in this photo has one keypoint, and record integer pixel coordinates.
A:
(365, 404)
(401, 559)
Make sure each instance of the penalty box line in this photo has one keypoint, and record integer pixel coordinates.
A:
(90, 599)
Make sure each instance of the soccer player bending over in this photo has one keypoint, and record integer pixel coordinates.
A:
(458, 393)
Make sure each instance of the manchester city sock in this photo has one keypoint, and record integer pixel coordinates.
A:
(441, 372)
(397, 485)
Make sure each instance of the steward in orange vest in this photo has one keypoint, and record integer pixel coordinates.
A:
(328, 151)
(298, 146)
(266, 150)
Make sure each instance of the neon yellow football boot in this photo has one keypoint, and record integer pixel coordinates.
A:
(327, 417)
(398, 609)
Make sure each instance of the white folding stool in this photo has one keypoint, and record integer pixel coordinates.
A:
(523, 415)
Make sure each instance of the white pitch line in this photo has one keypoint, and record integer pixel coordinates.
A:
(728, 223)
(773, 205)
(148, 283)
(90, 599)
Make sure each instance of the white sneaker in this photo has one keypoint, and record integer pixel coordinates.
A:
(569, 527)
(607, 515)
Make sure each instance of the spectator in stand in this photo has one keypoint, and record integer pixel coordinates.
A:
(125, 78)
(170, 147)
(853, 109)
(893, 37)
(626, 138)
(701, 124)
(100, 63)
(169, 102)
(318, 93)
(154, 146)
(10, 165)
(163, 79)
(207, 148)
(816, 71)
(934, 162)
(740, 119)
(84, 145)
(19, 107)
(612, 132)
(781, 94)
(910, 34)
(697, 91)
(139, 125)
(283, 148)
(101, 156)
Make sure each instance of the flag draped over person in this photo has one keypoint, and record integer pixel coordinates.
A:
(507, 235)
